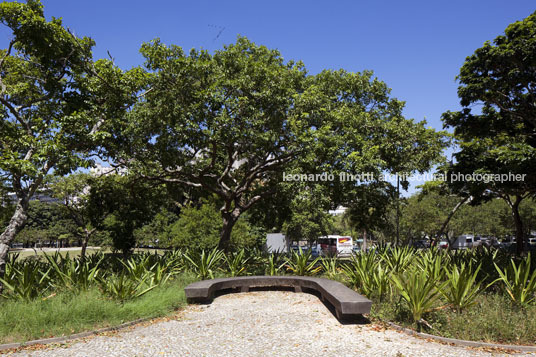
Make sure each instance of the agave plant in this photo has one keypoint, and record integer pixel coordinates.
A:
(461, 288)
(73, 274)
(366, 274)
(398, 259)
(237, 263)
(419, 292)
(518, 281)
(433, 263)
(274, 264)
(25, 280)
(300, 263)
(124, 287)
(205, 263)
(330, 266)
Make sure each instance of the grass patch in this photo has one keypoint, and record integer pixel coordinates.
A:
(493, 319)
(67, 313)
(73, 253)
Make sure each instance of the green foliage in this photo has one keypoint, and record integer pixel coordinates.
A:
(124, 287)
(126, 203)
(76, 274)
(46, 222)
(499, 137)
(462, 288)
(302, 263)
(398, 259)
(330, 267)
(25, 280)
(204, 263)
(518, 281)
(237, 263)
(275, 263)
(309, 218)
(200, 227)
(419, 291)
(55, 122)
(68, 313)
(366, 274)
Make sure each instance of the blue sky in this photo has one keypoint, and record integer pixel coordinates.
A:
(416, 47)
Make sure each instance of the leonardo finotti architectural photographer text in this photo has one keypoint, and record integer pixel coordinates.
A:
(369, 176)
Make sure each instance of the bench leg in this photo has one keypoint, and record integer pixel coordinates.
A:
(244, 289)
(338, 314)
(297, 289)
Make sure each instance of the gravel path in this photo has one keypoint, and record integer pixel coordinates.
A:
(271, 323)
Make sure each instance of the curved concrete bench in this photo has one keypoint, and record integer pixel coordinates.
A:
(347, 303)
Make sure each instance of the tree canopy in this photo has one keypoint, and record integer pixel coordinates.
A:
(500, 136)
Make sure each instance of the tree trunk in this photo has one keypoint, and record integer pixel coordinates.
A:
(15, 225)
(520, 239)
(364, 246)
(449, 217)
(229, 220)
(84, 246)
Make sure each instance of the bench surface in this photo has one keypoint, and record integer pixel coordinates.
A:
(346, 302)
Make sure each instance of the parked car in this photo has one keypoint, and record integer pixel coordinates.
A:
(422, 244)
(443, 244)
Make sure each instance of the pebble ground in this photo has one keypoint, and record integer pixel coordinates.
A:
(267, 323)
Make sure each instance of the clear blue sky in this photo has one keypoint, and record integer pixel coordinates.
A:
(416, 47)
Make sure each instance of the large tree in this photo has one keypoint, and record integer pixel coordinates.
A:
(225, 123)
(54, 104)
(234, 122)
(499, 136)
(73, 192)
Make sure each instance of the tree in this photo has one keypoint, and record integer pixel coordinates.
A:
(47, 222)
(369, 207)
(73, 191)
(499, 139)
(234, 122)
(54, 104)
(126, 204)
(200, 227)
(309, 218)
(226, 123)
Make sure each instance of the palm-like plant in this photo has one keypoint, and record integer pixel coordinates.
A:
(237, 263)
(330, 267)
(419, 291)
(461, 288)
(274, 264)
(301, 263)
(124, 287)
(25, 280)
(204, 264)
(518, 281)
(398, 259)
(366, 274)
(74, 274)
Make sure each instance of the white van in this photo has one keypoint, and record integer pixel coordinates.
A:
(332, 245)
(466, 241)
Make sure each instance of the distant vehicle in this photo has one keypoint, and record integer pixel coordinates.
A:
(421, 244)
(466, 241)
(443, 244)
(335, 245)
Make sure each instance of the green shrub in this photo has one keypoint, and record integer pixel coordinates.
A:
(301, 263)
(461, 289)
(237, 263)
(419, 291)
(204, 263)
(518, 281)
